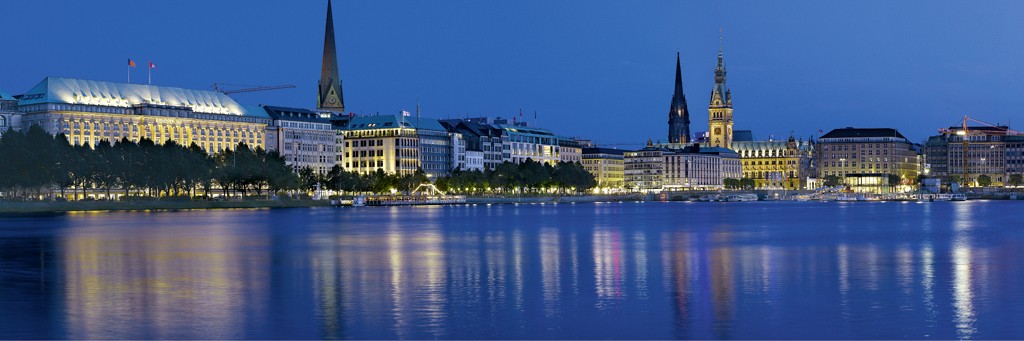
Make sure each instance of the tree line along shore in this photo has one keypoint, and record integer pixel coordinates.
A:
(38, 166)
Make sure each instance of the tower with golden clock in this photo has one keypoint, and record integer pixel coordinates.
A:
(720, 109)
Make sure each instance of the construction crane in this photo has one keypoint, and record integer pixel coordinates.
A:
(964, 132)
(248, 88)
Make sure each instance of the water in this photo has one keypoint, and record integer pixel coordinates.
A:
(606, 270)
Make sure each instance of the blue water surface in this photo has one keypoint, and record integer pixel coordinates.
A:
(765, 270)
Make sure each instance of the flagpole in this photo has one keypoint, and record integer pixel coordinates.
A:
(149, 73)
(129, 72)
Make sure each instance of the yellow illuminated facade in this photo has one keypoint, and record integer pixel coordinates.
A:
(776, 164)
(606, 165)
(862, 157)
(393, 150)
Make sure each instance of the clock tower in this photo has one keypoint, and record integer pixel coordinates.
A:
(720, 109)
(330, 96)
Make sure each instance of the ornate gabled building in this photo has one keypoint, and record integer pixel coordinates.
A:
(720, 109)
(678, 116)
(330, 96)
(774, 164)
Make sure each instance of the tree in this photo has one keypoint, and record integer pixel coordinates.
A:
(953, 179)
(894, 180)
(747, 183)
(1016, 180)
(832, 180)
(984, 180)
(731, 183)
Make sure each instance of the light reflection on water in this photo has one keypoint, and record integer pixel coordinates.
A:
(654, 270)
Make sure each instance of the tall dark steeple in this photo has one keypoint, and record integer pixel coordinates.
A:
(330, 96)
(678, 115)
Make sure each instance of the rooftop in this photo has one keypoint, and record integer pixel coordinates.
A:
(4, 96)
(91, 92)
(850, 132)
(742, 135)
(294, 114)
(599, 150)
(393, 121)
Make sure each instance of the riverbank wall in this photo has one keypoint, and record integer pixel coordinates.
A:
(556, 199)
(19, 207)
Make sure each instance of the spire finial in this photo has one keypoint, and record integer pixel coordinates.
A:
(721, 43)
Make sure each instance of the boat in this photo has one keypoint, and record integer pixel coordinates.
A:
(850, 197)
(411, 200)
(958, 197)
(741, 197)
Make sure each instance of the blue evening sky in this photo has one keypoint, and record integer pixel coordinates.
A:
(594, 69)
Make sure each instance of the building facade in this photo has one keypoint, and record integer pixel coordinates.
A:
(569, 150)
(642, 169)
(606, 165)
(965, 155)
(525, 142)
(89, 112)
(776, 164)
(695, 168)
(398, 144)
(10, 118)
(720, 110)
(302, 137)
(480, 137)
(864, 158)
(1014, 158)
(474, 161)
(678, 115)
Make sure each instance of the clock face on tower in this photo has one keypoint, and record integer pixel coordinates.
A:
(718, 131)
(332, 100)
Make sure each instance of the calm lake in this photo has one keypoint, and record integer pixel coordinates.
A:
(787, 270)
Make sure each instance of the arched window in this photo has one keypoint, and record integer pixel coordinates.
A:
(3, 121)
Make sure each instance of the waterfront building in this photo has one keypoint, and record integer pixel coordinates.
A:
(524, 142)
(480, 137)
(864, 159)
(90, 111)
(775, 164)
(398, 144)
(302, 137)
(678, 115)
(987, 153)
(330, 97)
(1014, 157)
(696, 168)
(642, 169)
(474, 161)
(10, 118)
(720, 109)
(606, 165)
(569, 150)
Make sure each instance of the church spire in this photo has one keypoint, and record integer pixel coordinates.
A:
(330, 96)
(678, 115)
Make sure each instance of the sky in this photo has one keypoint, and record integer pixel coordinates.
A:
(600, 70)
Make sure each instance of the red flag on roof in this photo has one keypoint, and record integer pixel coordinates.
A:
(151, 66)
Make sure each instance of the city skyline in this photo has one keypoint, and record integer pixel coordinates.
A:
(899, 72)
